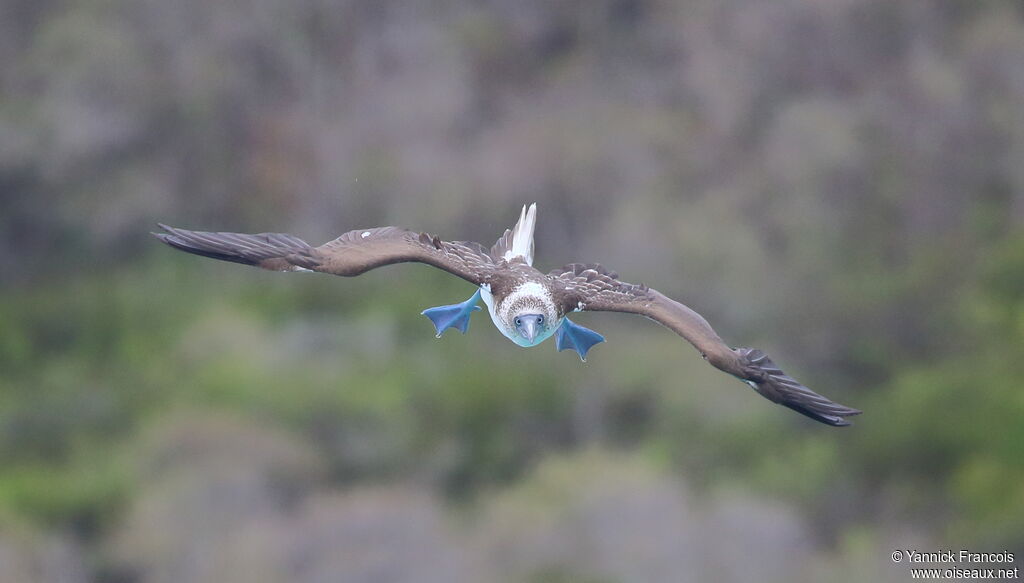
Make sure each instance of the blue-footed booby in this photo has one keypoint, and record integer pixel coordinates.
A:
(526, 306)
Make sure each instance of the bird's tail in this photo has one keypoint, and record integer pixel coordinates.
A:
(518, 241)
(275, 251)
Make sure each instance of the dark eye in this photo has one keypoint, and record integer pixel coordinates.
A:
(518, 322)
(540, 319)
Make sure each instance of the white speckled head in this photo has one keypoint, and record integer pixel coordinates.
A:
(527, 316)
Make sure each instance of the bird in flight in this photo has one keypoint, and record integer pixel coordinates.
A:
(526, 306)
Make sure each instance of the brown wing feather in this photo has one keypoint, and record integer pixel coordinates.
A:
(358, 251)
(274, 251)
(590, 287)
(351, 254)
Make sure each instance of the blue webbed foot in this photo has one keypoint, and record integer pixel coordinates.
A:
(453, 316)
(580, 339)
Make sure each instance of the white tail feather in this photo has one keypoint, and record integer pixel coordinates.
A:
(522, 235)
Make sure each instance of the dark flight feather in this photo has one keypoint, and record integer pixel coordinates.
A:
(267, 250)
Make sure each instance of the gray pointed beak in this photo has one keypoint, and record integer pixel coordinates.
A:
(528, 329)
(528, 326)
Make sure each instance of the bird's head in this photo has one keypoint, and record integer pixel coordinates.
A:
(529, 325)
(532, 324)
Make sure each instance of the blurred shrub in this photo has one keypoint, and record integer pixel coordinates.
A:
(837, 182)
(597, 516)
(33, 557)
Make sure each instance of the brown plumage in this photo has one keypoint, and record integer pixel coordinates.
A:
(351, 254)
(505, 272)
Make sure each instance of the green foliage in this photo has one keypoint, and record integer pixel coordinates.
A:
(847, 198)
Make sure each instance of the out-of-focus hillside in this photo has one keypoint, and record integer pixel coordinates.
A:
(838, 182)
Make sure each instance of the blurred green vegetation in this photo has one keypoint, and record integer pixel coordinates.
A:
(93, 359)
(836, 182)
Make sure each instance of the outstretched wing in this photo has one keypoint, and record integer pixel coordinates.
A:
(351, 254)
(590, 287)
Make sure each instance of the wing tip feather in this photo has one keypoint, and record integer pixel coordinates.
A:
(765, 377)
